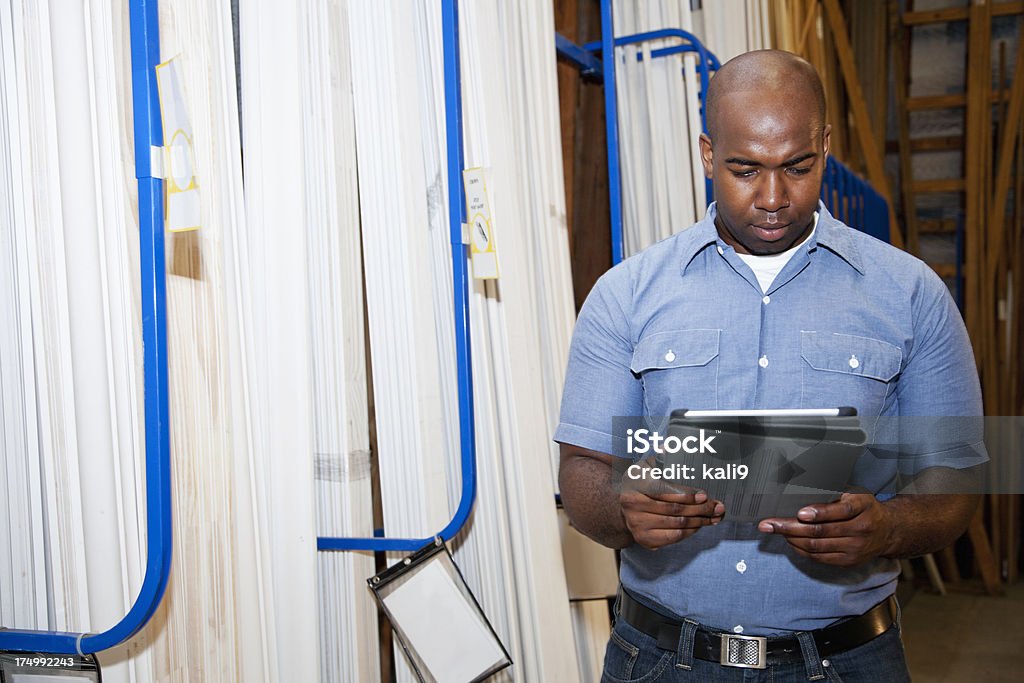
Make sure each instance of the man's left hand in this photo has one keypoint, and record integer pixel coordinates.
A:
(854, 529)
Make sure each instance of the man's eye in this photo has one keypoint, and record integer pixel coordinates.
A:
(744, 174)
(798, 171)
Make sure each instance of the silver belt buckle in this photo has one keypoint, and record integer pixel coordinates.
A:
(744, 652)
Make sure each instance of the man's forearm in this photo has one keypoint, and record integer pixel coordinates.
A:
(926, 523)
(587, 486)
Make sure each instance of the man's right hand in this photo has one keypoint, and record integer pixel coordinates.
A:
(659, 514)
(617, 511)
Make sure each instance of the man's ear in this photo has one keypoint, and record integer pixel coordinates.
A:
(706, 153)
(826, 139)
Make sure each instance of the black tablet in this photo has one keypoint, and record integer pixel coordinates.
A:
(765, 463)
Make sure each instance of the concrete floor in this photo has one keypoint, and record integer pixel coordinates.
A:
(965, 638)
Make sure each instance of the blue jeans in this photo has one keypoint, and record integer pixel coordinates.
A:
(634, 657)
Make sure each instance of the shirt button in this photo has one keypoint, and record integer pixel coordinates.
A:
(670, 356)
(767, 299)
(721, 251)
(737, 629)
(825, 663)
(741, 566)
(854, 363)
(763, 361)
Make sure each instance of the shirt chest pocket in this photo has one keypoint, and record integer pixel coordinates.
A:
(847, 370)
(679, 369)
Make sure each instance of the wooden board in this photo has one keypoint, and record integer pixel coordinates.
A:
(900, 42)
(1000, 9)
(590, 227)
(939, 185)
(862, 121)
(923, 103)
(941, 143)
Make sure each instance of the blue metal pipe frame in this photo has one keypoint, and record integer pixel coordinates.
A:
(460, 285)
(706, 62)
(145, 50)
(611, 123)
(582, 59)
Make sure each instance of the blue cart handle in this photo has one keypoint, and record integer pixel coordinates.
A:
(460, 290)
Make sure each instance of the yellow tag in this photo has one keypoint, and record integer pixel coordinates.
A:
(482, 248)
(181, 191)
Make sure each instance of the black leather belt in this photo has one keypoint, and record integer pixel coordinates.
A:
(752, 651)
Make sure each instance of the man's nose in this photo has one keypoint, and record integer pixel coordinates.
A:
(772, 194)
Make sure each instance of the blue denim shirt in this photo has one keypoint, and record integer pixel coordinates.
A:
(848, 321)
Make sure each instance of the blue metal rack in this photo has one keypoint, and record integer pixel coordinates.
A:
(585, 59)
(460, 287)
(854, 201)
(145, 50)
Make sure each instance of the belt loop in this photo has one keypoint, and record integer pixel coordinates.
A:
(618, 605)
(897, 613)
(684, 651)
(812, 662)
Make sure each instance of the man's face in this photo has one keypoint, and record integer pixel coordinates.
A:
(767, 163)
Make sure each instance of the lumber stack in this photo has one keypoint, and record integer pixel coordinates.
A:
(820, 33)
(338, 355)
(801, 27)
(986, 197)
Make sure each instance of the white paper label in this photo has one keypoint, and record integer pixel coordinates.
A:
(482, 248)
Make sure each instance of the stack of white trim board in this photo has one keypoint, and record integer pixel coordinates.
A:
(510, 552)
(70, 350)
(70, 195)
(341, 446)
(659, 119)
(341, 202)
(732, 27)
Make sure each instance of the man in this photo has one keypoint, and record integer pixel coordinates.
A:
(769, 302)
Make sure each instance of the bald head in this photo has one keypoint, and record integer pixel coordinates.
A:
(766, 150)
(765, 71)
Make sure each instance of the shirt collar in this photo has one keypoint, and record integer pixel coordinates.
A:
(829, 233)
(837, 237)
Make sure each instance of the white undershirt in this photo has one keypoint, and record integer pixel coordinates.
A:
(767, 267)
